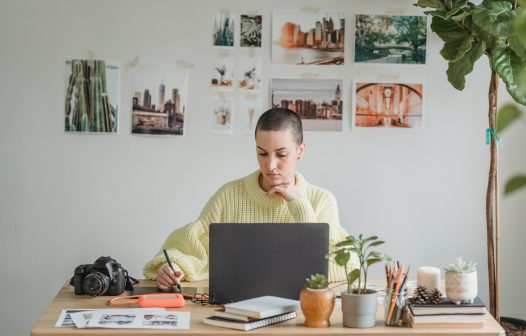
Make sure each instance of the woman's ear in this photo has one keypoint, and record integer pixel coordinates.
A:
(301, 150)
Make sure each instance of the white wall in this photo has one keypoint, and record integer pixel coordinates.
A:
(66, 199)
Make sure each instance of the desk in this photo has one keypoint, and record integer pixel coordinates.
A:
(66, 299)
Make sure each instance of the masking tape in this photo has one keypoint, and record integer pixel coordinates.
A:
(309, 75)
(251, 97)
(252, 12)
(310, 9)
(395, 11)
(184, 64)
(388, 77)
(225, 11)
(91, 55)
(222, 54)
(132, 63)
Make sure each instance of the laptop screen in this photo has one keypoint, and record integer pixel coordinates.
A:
(249, 260)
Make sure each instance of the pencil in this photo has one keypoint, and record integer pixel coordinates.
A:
(395, 293)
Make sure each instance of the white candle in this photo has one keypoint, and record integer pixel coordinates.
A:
(429, 277)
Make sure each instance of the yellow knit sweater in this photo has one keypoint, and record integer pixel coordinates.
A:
(243, 201)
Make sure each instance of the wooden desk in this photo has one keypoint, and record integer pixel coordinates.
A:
(66, 299)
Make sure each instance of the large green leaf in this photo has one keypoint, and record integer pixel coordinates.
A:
(516, 45)
(515, 183)
(342, 258)
(519, 25)
(353, 276)
(457, 70)
(509, 66)
(506, 116)
(430, 4)
(447, 30)
(494, 17)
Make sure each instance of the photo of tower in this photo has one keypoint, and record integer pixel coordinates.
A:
(159, 99)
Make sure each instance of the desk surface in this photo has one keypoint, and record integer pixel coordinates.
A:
(66, 299)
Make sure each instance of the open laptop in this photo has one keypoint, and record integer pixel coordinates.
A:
(251, 260)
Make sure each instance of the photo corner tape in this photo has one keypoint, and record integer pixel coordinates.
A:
(310, 9)
(225, 11)
(184, 64)
(395, 11)
(91, 55)
(388, 77)
(132, 63)
(310, 75)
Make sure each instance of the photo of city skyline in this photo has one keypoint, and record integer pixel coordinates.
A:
(318, 102)
(159, 99)
(385, 105)
(305, 38)
(223, 30)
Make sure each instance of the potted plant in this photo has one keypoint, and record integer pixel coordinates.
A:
(493, 28)
(461, 281)
(317, 301)
(359, 303)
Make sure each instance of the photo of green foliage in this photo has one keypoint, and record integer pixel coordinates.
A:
(390, 39)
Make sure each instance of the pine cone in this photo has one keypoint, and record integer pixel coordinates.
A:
(436, 297)
(421, 296)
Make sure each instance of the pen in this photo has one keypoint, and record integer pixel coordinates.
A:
(177, 286)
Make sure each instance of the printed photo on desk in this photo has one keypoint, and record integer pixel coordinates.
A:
(308, 38)
(159, 98)
(388, 104)
(92, 96)
(318, 102)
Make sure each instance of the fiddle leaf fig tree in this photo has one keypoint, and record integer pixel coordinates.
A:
(491, 28)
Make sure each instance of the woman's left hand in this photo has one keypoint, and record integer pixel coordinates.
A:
(286, 190)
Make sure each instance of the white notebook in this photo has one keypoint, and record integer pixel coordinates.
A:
(263, 306)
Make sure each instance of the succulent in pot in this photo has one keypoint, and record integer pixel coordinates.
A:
(317, 301)
(461, 281)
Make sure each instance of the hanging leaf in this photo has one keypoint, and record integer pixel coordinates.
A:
(509, 66)
(506, 116)
(457, 70)
(515, 183)
(430, 3)
(494, 17)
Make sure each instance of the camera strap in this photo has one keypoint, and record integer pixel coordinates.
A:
(130, 281)
(157, 300)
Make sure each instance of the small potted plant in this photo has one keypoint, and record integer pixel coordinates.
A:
(317, 301)
(359, 303)
(461, 281)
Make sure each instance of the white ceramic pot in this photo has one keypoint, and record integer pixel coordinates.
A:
(461, 287)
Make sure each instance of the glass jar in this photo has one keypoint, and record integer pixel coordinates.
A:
(394, 304)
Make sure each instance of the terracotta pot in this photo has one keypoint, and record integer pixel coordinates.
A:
(317, 305)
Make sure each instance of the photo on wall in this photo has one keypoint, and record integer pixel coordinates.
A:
(250, 74)
(305, 38)
(251, 31)
(397, 105)
(318, 102)
(250, 109)
(92, 96)
(223, 31)
(399, 39)
(159, 98)
(221, 113)
(222, 76)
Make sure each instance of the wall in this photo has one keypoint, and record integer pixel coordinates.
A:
(66, 199)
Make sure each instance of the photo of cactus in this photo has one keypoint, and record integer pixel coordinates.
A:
(223, 31)
(250, 34)
(92, 96)
(386, 105)
(159, 100)
(304, 38)
(399, 39)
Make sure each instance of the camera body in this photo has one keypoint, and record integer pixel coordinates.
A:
(104, 277)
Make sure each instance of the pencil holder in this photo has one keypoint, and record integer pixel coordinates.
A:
(394, 304)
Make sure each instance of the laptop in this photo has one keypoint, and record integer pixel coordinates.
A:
(251, 260)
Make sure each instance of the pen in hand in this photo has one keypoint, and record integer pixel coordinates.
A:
(177, 286)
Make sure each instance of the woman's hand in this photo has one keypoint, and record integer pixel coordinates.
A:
(286, 190)
(166, 278)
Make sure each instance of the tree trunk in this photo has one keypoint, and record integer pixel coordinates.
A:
(491, 196)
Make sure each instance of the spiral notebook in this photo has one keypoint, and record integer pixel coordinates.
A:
(246, 326)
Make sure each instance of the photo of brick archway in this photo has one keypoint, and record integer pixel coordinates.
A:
(388, 105)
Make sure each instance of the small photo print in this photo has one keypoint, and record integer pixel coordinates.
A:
(305, 38)
(223, 34)
(116, 319)
(222, 78)
(318, 102)
(221, 112)
(399, 39)
(250, 110)
(250, 74)
(92, 96)
(159, 98)
(251, 27)
(384, 105)
(161, 320)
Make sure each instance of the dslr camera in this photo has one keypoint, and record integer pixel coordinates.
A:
(104, 277)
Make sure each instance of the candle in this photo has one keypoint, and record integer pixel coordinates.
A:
(429, 277)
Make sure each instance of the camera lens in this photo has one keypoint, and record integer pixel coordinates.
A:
(95, 284)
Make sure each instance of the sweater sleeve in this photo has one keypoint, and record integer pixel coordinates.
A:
(187, 246)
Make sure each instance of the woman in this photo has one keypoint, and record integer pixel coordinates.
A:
(274, 193)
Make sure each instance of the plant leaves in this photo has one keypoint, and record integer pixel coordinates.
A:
(457, 70)
(447, 30)
(519, 25)
(429, 4)
(342, 258)
(506, 116)
(509, 66)
(494, 17)
(515, 183)
(373, 261)
(353, 276)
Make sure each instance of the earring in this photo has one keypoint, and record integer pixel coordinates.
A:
(299, 157)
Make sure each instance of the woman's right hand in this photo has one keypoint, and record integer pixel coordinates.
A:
(166, 278)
